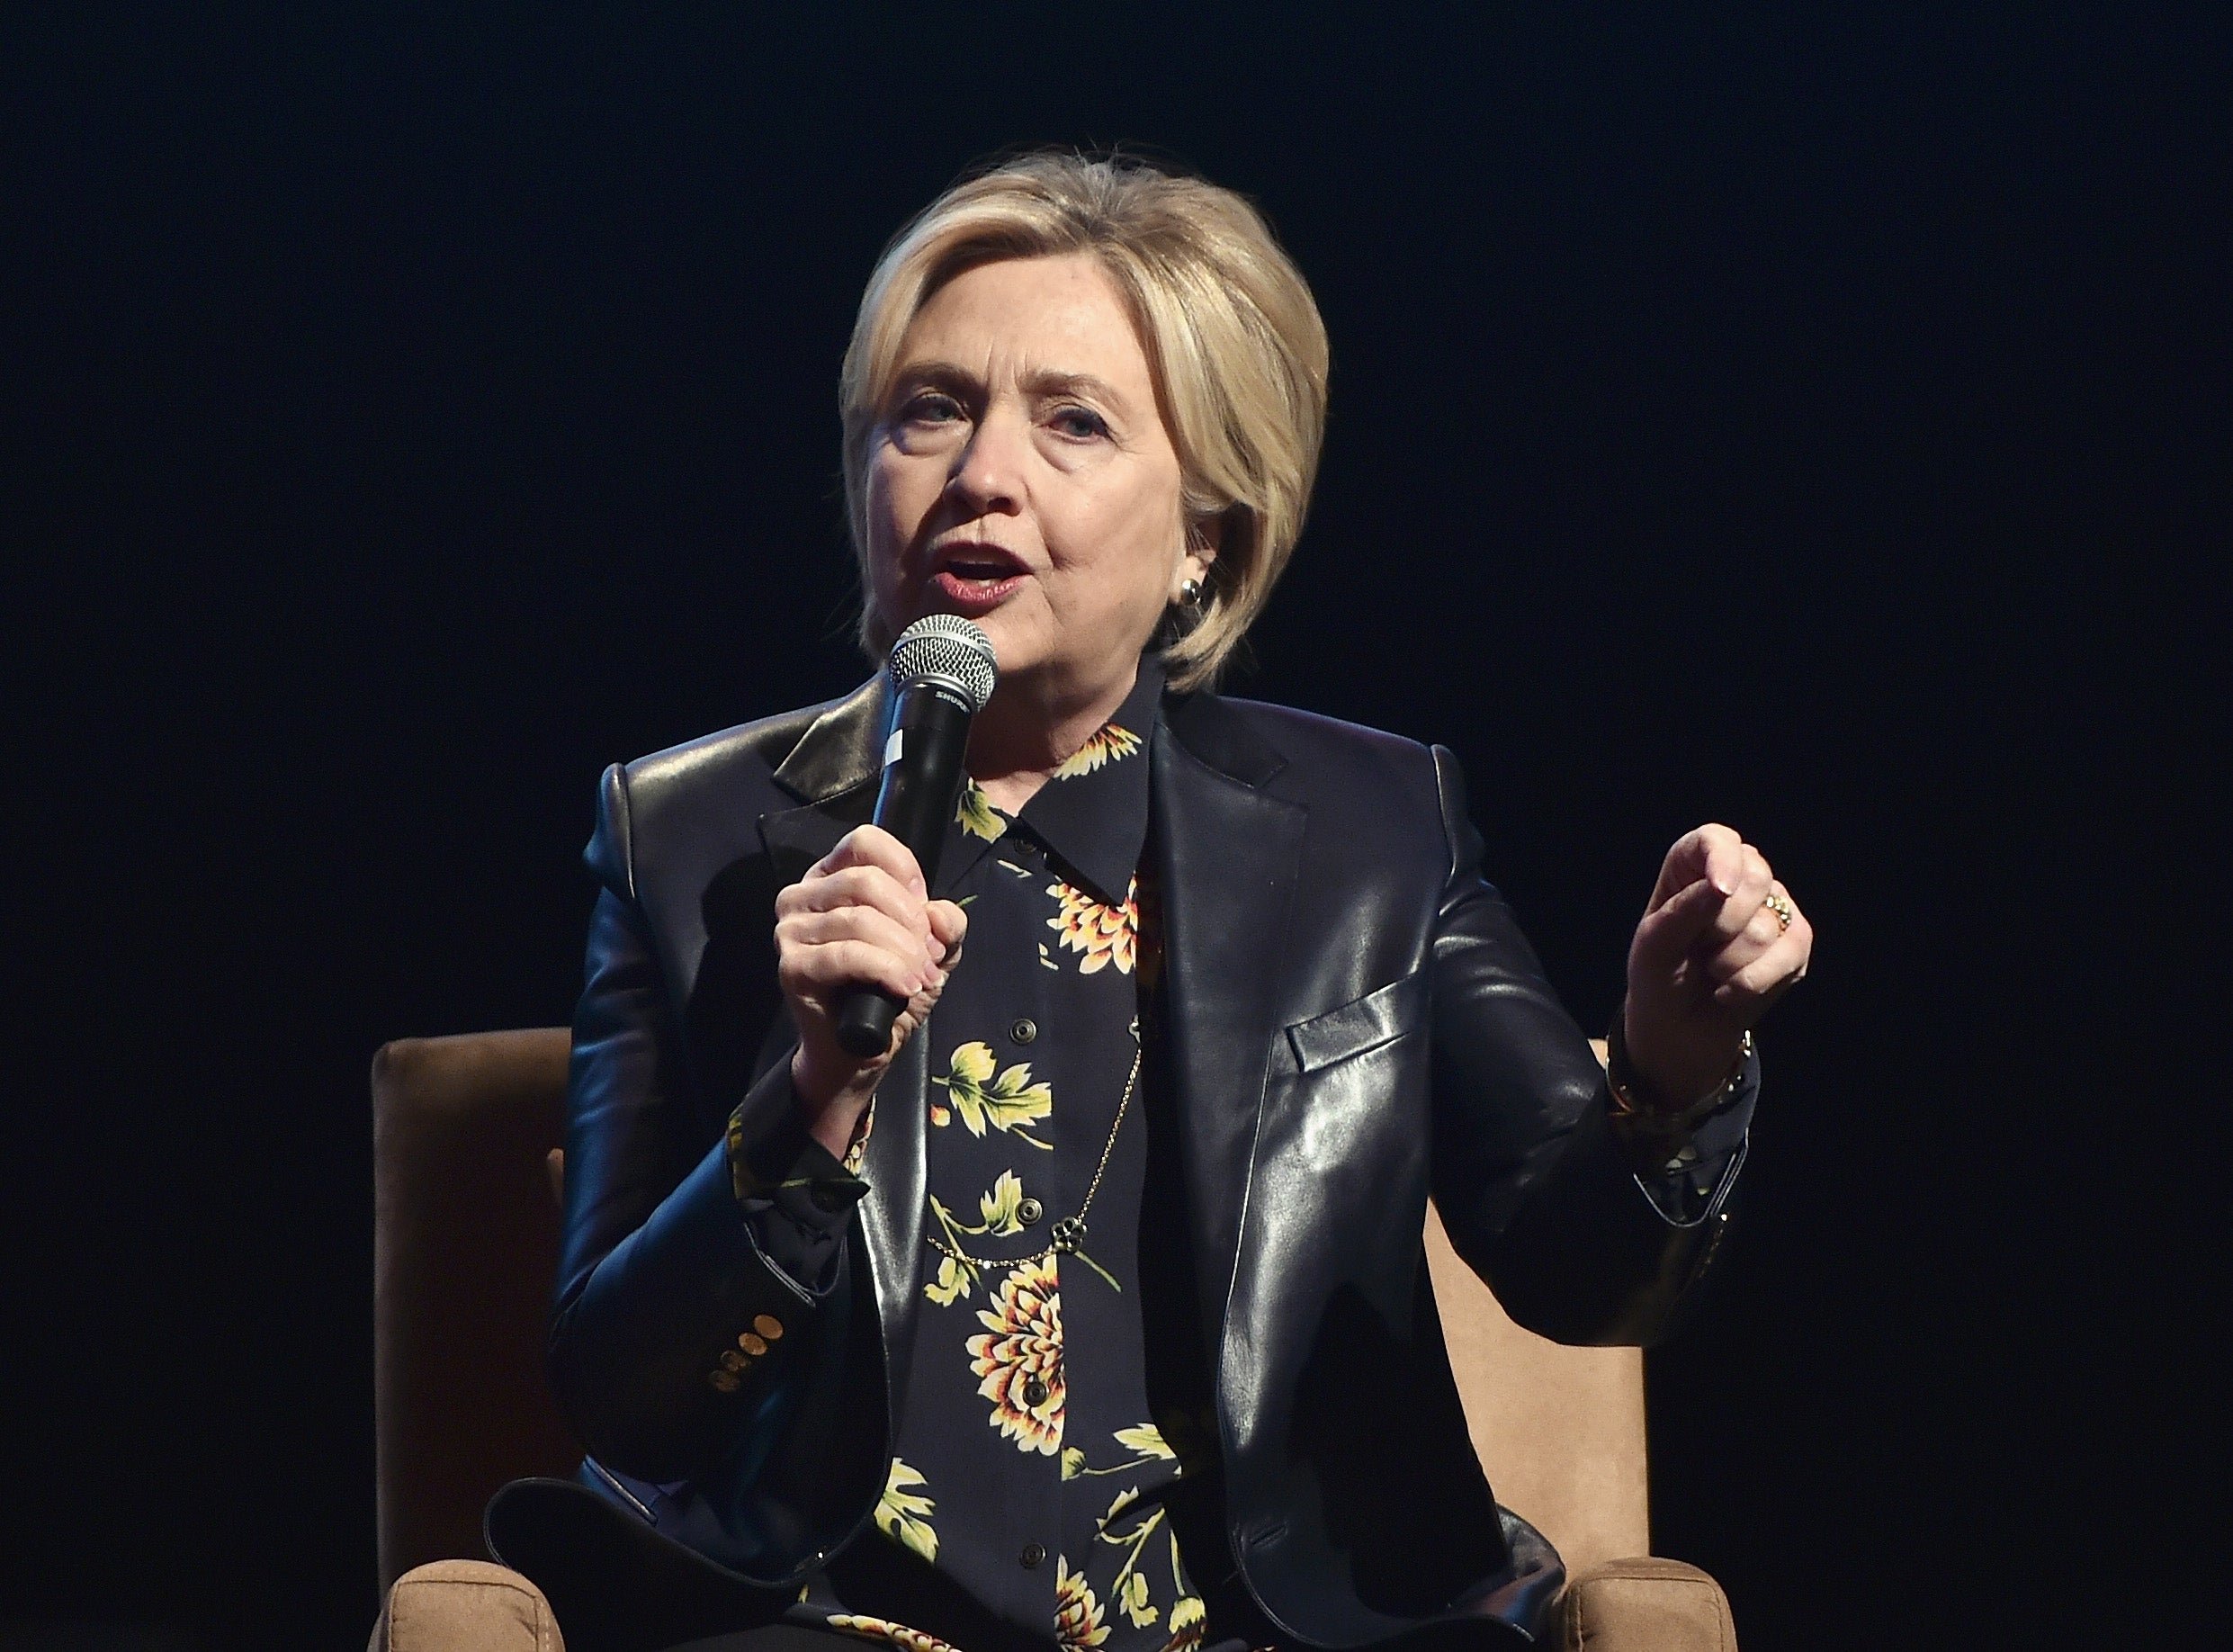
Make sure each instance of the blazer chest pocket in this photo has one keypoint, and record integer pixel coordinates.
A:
(1362, 1025)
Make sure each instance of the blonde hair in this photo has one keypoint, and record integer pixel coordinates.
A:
(1232, 337)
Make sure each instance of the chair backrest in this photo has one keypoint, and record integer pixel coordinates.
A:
(466, 1244)
(465, 1249)
(1560, 1431)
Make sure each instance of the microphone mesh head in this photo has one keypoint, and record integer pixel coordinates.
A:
(950, 649)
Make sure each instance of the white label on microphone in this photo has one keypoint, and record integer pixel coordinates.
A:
(891, 748)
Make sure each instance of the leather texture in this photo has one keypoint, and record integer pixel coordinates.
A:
(465, 1606)
(464, 1232)
(1649, 1605)
(1356, 1022)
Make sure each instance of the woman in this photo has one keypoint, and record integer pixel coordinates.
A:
(1093, 1312)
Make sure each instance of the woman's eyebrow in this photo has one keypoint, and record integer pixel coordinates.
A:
(1051, 383)
(1044, 384)
(946, 375)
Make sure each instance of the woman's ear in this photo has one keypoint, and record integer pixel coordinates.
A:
(1204, 536)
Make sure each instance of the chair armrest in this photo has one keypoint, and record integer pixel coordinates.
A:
(1645, 1605)
(465, 1606)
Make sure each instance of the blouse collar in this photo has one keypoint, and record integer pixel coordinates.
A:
(1092, 813)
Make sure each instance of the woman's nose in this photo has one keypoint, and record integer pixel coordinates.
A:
(990, 474)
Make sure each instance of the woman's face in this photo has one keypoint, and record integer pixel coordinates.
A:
(1021, 476)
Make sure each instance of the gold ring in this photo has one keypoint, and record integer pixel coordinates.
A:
(1781, 907)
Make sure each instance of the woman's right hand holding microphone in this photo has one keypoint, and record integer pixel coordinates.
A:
(860, 917)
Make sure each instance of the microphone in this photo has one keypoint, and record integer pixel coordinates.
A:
(942, 671)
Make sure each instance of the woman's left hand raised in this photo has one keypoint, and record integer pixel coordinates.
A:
(1721, 940)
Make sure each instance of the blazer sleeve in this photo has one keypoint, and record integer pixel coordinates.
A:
(680, 1350)
(1539, 1193)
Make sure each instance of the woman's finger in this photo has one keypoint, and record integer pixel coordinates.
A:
(949, 924)
(1768, 976)
(1743, 928)
(1712, 853)
(859, 886)
(872, 846)
(1764, 929)
(818, 970)
(861, 924)
(1753, 880)
(1665, 938)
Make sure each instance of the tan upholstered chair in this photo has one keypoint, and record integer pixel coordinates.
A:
(465, 1135)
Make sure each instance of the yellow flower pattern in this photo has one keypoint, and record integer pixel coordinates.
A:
(1105, 934)
(974, 814)
(892, 1634)
(1144, 1441)
(1002, 1210)
(954, 1280)
(1009, 1102)
(1107, 746)
(1129, 1525)
(1077, 1614)
(1019, 1359)
(1188, 1622)
(904, 1514)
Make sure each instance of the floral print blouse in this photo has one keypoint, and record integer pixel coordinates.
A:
(1024, 1505)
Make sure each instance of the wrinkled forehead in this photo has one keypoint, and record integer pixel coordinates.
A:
(1033, 323)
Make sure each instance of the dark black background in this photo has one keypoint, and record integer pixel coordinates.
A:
(1813, 418)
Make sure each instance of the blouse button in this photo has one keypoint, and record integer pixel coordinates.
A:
(1035, 1391)
(1024, 1031)
(1034, 1556)
(1029, 1211)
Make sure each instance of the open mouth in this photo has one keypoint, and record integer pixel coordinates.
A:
(976, 579)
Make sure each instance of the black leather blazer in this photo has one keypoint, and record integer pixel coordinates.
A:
(1355, 1023)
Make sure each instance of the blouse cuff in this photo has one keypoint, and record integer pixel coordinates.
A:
(796, 1197)
(772, 1153)
(1679, 1169)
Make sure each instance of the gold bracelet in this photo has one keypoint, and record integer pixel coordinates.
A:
(1622, 1079)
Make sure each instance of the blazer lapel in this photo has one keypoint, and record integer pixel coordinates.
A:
(834, 768)
(839, 749)
(1229, 856)
(831, 770)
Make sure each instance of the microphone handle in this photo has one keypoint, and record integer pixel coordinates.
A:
(865, 1021)
(925, 756)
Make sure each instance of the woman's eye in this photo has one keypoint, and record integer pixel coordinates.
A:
(1080, 424)
(931, 407)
